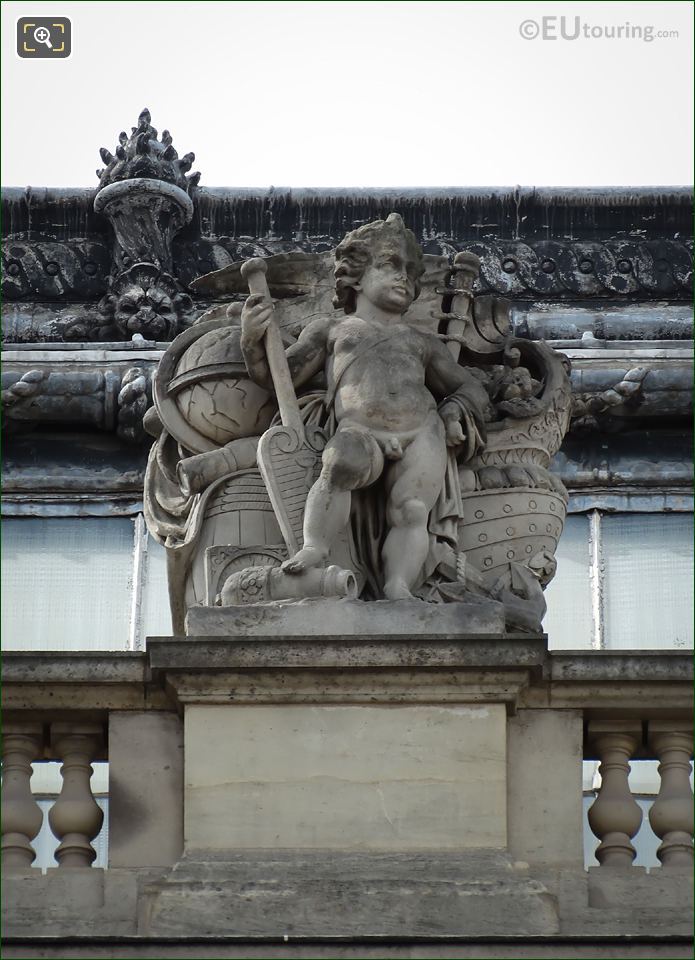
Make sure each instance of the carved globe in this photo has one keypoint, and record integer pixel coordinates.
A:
(216, 396)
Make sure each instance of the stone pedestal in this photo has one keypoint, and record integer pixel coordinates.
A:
(288, 895)
(349, 618)
(346, 769)
(345, 777)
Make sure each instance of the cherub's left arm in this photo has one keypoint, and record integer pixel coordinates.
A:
(463, 399)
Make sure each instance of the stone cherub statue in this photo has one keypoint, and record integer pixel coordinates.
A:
(398, 396)
(408, 462)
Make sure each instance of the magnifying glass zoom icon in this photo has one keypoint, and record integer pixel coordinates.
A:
(43, 35)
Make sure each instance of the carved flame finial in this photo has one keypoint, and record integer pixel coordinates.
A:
(142, 154)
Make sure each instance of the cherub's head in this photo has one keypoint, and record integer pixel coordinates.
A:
(381, 259)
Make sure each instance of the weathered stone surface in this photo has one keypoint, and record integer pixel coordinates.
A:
(69, 680)
(72, 666)
(145, 789)
(621, 665)
(108, 390)
(470, 905)
(345, 778)
(606, 325)
(414, 649)
(347, 618)
(544, 798)
(614, 889)
(61, 903)
(498, 948)
(409, 668)
(661, 390)
(619, 903)
(337, 896)
(623, 240)
(510, 669)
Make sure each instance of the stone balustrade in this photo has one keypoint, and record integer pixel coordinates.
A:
(546, 712)
(21, 814)
(671, 817)
(75, 818)
(615, 817)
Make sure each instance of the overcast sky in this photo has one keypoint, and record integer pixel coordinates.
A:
(359, 93)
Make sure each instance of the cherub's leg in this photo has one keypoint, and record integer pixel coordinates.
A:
(352, 459)
(326, 512)
(413, 485)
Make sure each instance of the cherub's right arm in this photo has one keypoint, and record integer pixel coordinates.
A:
(305, 357)
(255, 317)
(308, 355)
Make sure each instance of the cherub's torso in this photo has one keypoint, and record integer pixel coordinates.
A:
(380, 371)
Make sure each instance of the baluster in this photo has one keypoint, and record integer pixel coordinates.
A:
(615, 817)
(75, 817)
(21, 815)
(671, 815)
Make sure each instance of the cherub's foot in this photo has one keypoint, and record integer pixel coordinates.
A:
(307, 557)
(397, 590)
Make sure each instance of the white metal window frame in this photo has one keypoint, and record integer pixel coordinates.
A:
(596, 581)
(597, 568)
(138, 569)
(136, 639)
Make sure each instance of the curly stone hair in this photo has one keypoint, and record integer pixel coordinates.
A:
(355, 252)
